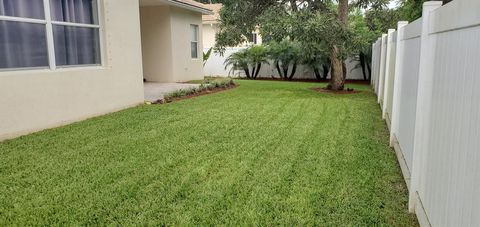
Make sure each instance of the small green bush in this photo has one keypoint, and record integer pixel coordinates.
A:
(208, 85)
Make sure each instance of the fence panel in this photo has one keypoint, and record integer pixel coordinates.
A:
(377, 52)
(372, 78)
(405, 95)
(450, 173)
(435, 111)
(381, 75)
(390, 77)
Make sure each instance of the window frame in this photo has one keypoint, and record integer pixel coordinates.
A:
(197, 29)
(49, 23)
(254, 38)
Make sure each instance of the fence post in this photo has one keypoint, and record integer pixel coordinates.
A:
(379, 57)
(372, 73)
(397, 82)
(387, 72)
(424, 97)
(381, 74)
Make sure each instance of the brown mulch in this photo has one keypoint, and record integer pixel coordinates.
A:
(361, 82)
(344, 92)
(206, 92)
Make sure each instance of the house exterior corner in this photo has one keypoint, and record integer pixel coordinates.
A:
(68, 89)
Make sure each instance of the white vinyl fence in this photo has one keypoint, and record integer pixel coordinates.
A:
(426, 75)
(215, 66)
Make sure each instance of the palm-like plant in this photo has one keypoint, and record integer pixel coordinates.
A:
(316, 57)
(249, 60)
(316, 62)
(206, 56)
(257, 55)
(285, 54)
(238, 61)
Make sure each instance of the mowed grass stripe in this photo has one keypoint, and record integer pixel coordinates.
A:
(266, 153)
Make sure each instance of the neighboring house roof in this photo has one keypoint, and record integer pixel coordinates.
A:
(185, 4)
(215, 17)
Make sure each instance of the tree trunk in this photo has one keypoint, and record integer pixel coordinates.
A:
(279, 70)
(362, 63)
(259, 66)
(294, 69)
(336, 82)
(253, 72)
(285, 71)
(343, 11)
(317, 73)
(325, 71)
(247, 72)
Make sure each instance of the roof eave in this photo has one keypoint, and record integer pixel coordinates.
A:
(191, 7)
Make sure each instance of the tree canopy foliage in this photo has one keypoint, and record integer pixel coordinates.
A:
(320, 26)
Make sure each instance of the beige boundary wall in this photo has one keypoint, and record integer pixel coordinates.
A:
(215, 66)
(32, 100)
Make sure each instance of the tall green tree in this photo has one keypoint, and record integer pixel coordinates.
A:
(237, 21)
(361, 42)
(338, 66)
(240, 18)
(410, 10)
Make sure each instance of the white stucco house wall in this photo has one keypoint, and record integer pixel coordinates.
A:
(65, 61)
(172, 40)
(210, 28)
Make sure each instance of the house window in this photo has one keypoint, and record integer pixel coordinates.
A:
(49, 33)
(253, 38)
(194, 41)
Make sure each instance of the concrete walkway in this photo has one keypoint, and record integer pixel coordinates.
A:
(156, 91)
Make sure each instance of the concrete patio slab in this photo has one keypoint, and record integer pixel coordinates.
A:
(157, 91)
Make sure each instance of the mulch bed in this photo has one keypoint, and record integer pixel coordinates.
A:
(344, 92)
(361, 82)
(206, 92)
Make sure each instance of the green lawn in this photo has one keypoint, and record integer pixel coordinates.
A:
(266, 153)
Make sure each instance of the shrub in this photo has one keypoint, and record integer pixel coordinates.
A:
(249, 60)
(207, 86)
(285, 55)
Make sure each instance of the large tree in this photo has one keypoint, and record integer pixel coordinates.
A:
(240, 18)
(337, 82)
(338, 66)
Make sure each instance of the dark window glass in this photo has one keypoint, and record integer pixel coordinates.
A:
(74, 11)
(76, 45)
(194, 41)
(22, 8)
(194, 48)
(22, 45)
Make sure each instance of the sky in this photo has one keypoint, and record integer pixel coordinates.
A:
(392, 5)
